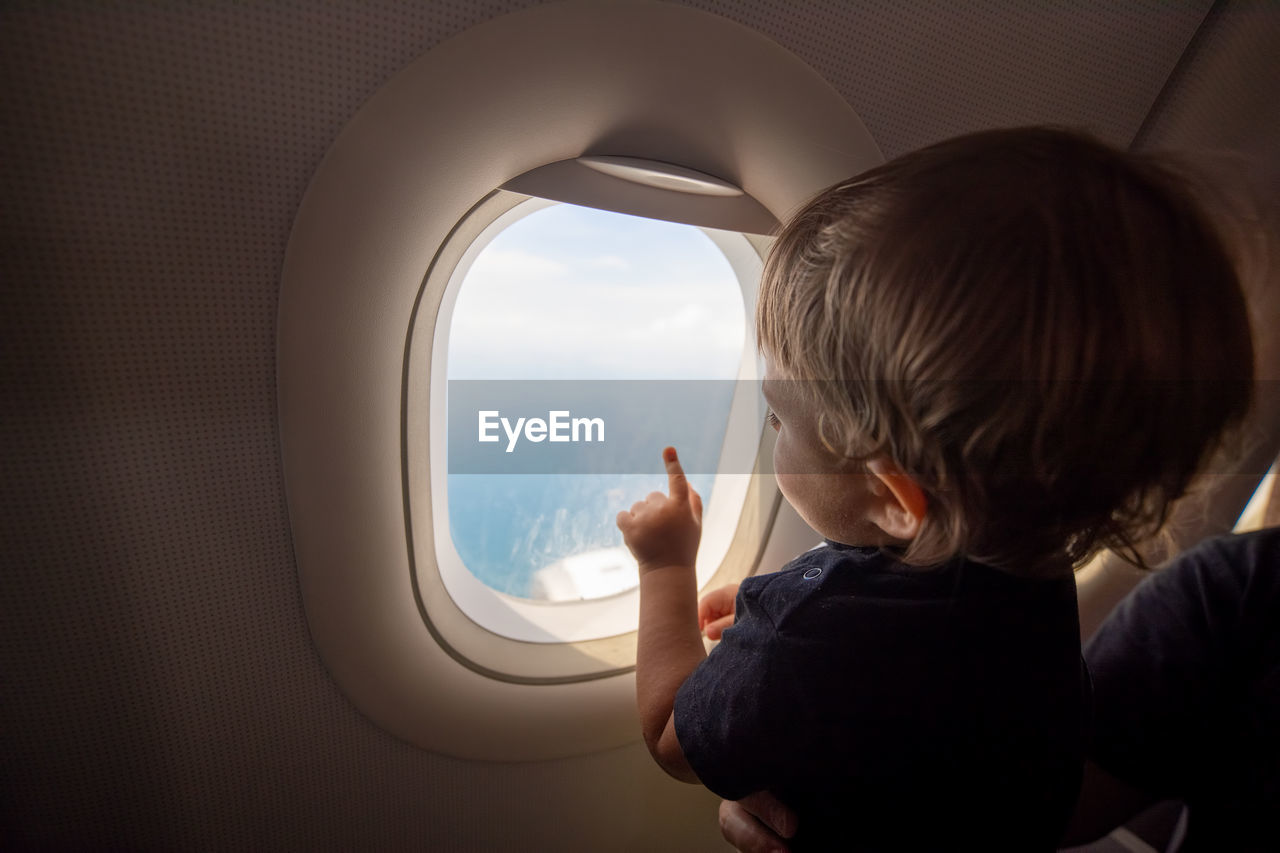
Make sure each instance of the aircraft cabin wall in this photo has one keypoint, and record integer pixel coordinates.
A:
(162, 688)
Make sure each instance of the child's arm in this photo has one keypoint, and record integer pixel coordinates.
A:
(662, 532)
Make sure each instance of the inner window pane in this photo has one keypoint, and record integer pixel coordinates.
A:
(573, 293)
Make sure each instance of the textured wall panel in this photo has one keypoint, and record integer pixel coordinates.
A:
(1224, 93)
(921, 71)
(160, 687)
(161, 690)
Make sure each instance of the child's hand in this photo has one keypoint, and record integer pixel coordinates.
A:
(715, 610)
(663, 530)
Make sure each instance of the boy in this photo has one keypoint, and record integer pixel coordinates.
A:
(985, 361)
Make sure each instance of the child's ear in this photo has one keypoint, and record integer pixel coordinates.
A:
(901, 507)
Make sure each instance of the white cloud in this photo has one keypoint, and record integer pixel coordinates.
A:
(515, 263)
(679, 323)
(607, 262)
(617, 304)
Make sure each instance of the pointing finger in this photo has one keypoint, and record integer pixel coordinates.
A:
(678, 486)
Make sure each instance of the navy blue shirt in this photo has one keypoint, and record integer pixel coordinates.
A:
(1186, 675)
(893, 707)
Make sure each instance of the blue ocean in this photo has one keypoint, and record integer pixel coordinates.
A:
(508, 526)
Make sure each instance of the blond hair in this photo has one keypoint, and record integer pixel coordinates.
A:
(1040, 330)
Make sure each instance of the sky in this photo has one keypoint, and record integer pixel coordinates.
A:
(570, 292)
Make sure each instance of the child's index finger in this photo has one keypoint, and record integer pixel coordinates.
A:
(677, 485)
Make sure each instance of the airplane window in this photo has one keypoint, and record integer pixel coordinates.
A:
(599, 322)
(415, 590)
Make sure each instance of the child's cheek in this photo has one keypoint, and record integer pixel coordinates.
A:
(786, 475)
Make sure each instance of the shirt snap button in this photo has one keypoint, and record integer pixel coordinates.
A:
(812, 573)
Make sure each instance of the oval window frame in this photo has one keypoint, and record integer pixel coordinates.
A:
(499, 635)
